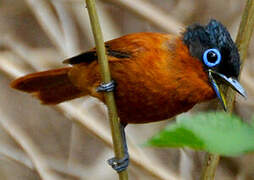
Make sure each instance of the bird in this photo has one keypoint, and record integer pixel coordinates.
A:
(156, 76)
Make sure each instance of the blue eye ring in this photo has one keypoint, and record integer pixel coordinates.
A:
(208, 62)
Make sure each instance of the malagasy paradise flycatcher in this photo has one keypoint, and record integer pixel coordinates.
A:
(156, 76)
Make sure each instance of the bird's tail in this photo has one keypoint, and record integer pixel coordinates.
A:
(51, 87)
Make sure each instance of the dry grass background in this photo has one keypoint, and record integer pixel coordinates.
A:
(72, 140)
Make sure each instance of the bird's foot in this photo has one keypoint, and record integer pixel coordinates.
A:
(119, 164)
(106, 87)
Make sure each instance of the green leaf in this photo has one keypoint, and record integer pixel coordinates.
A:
(218, 133)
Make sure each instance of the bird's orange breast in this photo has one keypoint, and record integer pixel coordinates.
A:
(157, 81)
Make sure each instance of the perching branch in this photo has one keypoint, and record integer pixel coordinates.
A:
(106, 78)
(242, 42)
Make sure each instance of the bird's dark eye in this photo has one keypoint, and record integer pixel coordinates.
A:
(211, 57)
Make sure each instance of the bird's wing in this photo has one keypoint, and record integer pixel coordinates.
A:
(125, 47)
(91, 56)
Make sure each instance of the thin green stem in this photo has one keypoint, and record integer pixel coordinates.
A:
(211, 162)
(106, 78)
(242, 41)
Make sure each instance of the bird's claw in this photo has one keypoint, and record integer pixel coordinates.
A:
(119, 164)
(106, 87)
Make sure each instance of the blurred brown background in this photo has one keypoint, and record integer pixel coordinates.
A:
(72, 140)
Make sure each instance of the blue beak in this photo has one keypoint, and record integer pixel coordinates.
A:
(216, 77)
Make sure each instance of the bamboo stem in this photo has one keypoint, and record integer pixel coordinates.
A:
(242, 41)
(106, 78)
(245, 30)
(211, 163)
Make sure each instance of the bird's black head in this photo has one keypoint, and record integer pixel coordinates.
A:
(213, 45)
(214, 35)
